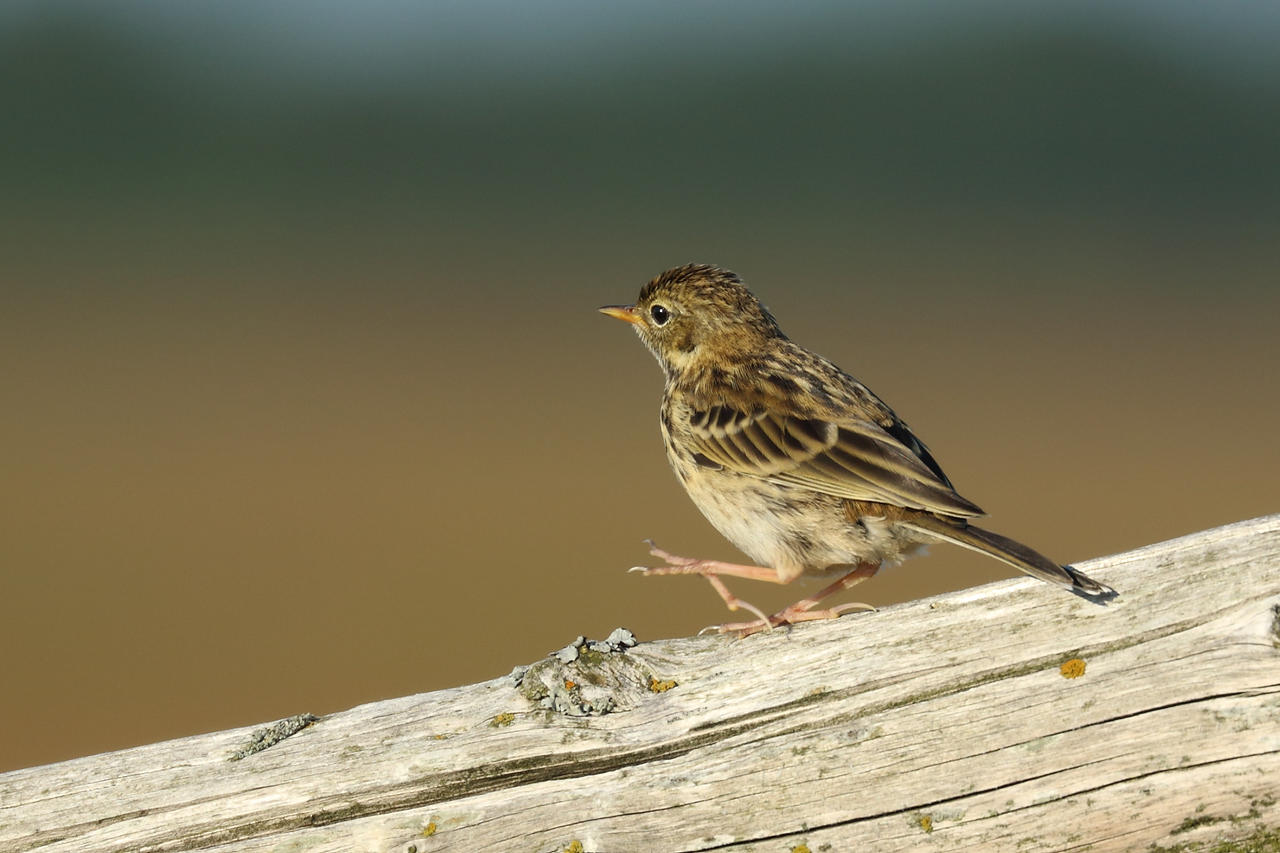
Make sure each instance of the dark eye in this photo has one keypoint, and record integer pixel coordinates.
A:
(660, 315)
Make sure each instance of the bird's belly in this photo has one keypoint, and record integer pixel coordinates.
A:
(791, 530)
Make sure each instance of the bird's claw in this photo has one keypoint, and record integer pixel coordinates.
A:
(667, 557)
(742, 629)
(853, 605)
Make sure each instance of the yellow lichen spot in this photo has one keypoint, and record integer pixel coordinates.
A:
(429, 830)
(569, 685)
(657, 686)
(1073, 668)
(926, 823)
(800, 848)
(574, 847)
(506, 718)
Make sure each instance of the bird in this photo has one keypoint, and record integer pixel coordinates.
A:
(793, 460)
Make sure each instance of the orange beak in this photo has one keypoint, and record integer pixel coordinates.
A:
(626, 313)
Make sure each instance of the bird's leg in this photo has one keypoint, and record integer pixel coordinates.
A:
(689, 566)
(733, 603)
(711, 570)
(802, 610)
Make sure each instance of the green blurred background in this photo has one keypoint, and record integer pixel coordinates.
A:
(306, 402)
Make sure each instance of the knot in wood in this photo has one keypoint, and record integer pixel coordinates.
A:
(589, 677)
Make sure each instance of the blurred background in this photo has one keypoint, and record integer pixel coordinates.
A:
(306, 402)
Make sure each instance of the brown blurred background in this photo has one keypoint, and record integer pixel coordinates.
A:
(306, 402)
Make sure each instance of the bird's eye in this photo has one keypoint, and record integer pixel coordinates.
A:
(660, 315)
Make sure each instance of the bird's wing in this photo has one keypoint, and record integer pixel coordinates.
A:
(854, 459)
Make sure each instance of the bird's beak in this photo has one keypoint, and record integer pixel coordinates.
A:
(626, 313)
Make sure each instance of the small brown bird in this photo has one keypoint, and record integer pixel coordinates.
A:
(793, 460)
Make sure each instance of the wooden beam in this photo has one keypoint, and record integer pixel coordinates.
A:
(1012, 716)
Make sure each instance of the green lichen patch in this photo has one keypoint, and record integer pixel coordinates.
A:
(1238, 833)
(590, 677)
(268, 737)
(1195, 823)
(1262, 840)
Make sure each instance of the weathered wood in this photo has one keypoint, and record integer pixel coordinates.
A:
(942, 724)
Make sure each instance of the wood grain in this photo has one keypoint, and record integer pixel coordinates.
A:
(949, 723)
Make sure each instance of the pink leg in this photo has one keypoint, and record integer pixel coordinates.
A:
(802, 610)
(711, 570)
(733, 603)
(689, 566)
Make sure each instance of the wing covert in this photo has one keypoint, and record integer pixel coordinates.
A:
(854, 459)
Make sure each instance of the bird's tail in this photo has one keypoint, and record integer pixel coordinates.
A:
(1014, 553)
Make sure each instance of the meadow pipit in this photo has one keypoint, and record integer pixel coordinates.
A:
(796, 462)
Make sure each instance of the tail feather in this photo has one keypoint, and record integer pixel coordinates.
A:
(1013, 553)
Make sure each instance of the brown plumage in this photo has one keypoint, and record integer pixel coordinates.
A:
(796, 462)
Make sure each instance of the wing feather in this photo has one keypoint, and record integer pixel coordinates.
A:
(853, 459)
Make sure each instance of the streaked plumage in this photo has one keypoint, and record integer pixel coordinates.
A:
(792, 459)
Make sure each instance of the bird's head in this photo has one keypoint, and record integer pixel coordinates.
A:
(695, 315)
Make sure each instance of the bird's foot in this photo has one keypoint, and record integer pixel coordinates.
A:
(801, 611)
(791, 615)
(711, 570)
(734, 603)
(742, 629)
(667, 557)
(689, 566)
(788, 616)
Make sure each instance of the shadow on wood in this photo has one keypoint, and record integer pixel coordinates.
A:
(1010, 716)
